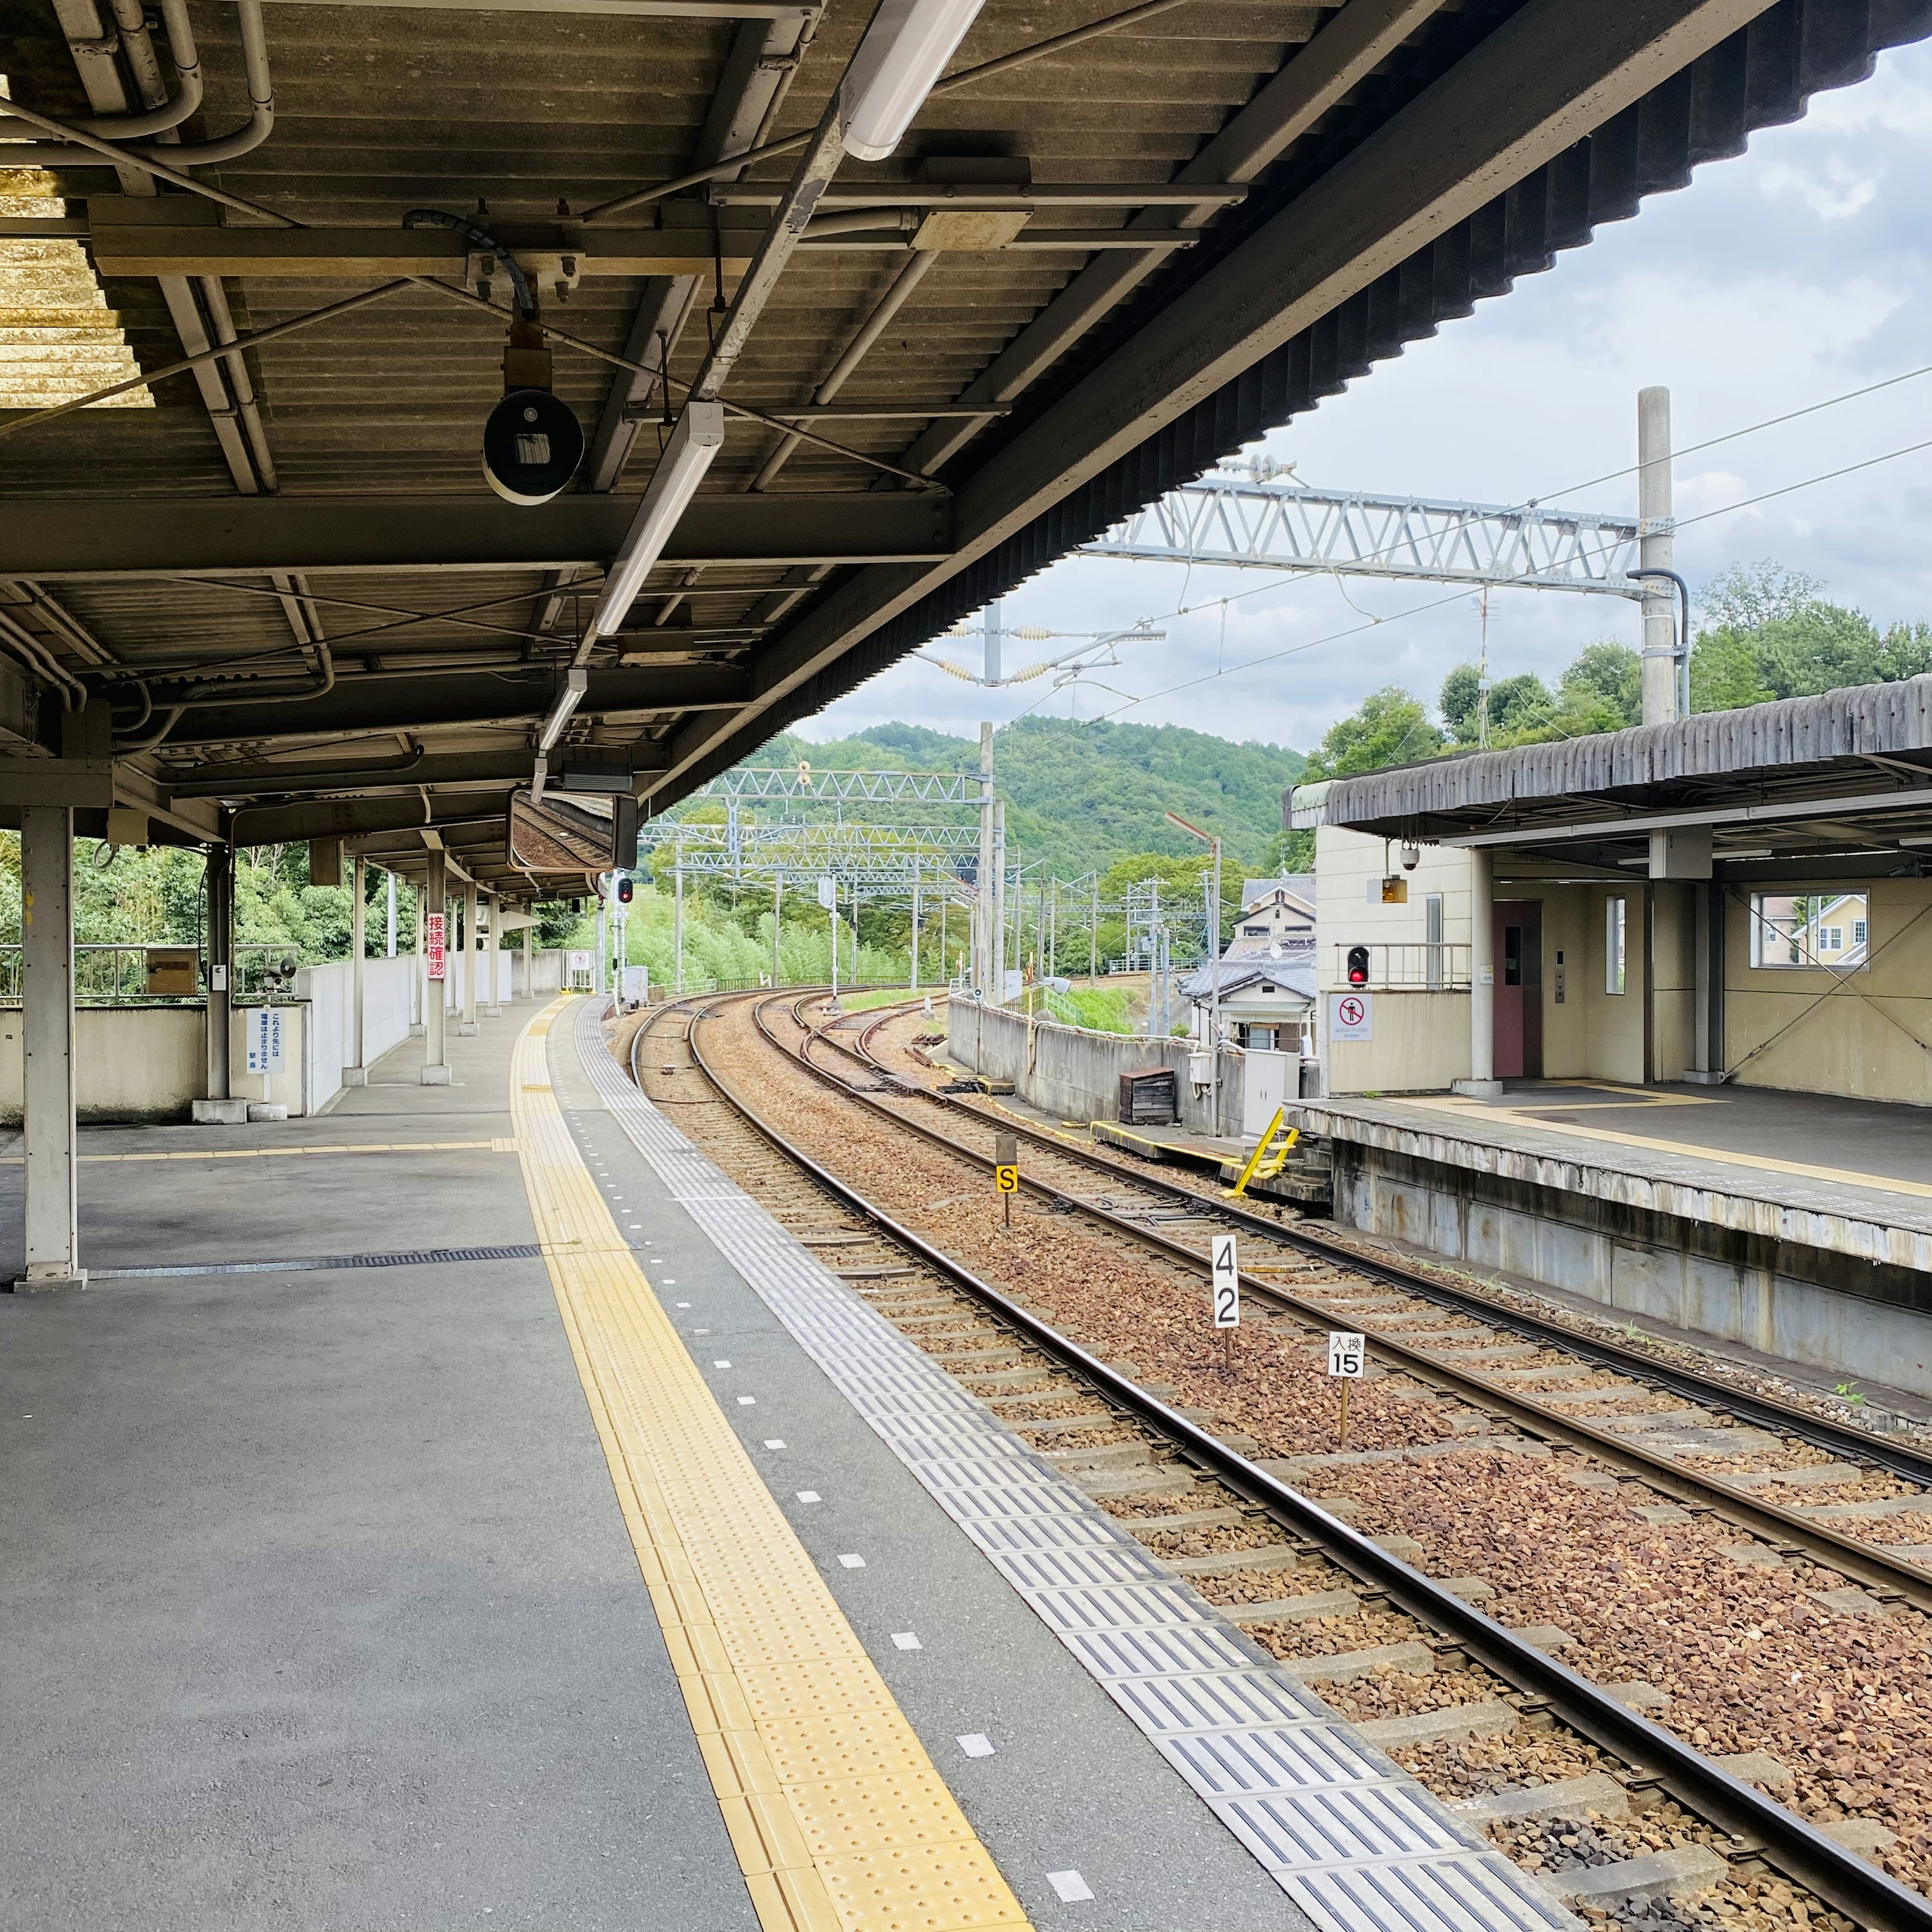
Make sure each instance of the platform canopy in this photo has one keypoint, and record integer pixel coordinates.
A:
(1111, 248)
(1837, 786)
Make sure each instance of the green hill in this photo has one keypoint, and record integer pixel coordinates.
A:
(1081, 796)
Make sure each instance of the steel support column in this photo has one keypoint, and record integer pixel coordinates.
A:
(357, 1073)
(493, 1006)
(221, 1108)
(436, 1002)
(46, 1000)
(473, 958)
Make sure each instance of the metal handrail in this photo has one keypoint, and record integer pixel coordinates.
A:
(1416, 965)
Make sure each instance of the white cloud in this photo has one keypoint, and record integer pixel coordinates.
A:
(1798, 272)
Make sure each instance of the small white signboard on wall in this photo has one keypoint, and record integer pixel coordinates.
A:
(1351, 1016)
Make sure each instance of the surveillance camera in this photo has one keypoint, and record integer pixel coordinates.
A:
(532, 445)
(1412, 857)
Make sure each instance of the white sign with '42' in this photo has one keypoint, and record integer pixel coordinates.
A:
(1347, 1354)
(1227, 1279)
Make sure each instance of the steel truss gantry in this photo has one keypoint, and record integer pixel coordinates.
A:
(1270, 526)
(872, 788)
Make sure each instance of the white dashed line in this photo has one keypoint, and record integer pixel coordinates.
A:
(852, 1562)
(746, 1401)
(774, 1442)
(1069, 1887)
(907, 1640)
(976, 1744)
(721, 1365)
(804, 1495)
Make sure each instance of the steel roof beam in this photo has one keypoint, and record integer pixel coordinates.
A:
(1541, 82)
(48, 539)
(410, 703)
(342, 817)
(260, 780)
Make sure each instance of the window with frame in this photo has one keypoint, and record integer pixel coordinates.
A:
(1808, 931)
(1615, 950)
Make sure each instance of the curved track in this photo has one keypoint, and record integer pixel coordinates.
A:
(1846, 1882)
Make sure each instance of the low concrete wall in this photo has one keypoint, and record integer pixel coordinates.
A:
(1076, 1074)
(1860, 1318)
(539, 972)
(327, 1040)
(131, 1063)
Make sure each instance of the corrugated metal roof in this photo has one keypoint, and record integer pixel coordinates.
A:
(1797, 739)
(536, 114)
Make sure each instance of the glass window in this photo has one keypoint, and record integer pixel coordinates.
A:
(1808, 930)
(1615, 911)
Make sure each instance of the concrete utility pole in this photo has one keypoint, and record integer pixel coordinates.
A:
(778, 908)
(600, 943)
(677, 919)
(915, 925)
(471, 958)
(436, 997)
(995, 634)
(997, 993)
(46, 1000)
(1657, 550)
(982, 911)
(356, 1074)
(1093, 935)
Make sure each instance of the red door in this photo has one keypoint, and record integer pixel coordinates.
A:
(1516, 943)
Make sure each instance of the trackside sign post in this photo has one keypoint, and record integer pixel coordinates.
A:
(1007, 1170)
(1348, 1358)
(1224, 1276)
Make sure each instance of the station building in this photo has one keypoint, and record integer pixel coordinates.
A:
(1647, 1017)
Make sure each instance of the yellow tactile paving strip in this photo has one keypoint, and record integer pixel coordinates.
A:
(839, 1820)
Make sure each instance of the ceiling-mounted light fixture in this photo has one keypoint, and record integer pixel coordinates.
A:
(576, 682)
(904, 52)
(698, 438)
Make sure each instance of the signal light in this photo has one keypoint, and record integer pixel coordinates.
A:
(625, 891)
(1358, 965)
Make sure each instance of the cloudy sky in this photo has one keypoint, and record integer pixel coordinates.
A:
(1793, 273)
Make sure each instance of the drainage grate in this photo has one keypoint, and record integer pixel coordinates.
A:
(1355, 1841)
(416, 1258)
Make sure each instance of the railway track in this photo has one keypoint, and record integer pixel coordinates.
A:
(1892, 1577)
(1108, 1421)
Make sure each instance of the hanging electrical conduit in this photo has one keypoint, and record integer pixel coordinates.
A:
(132, 40)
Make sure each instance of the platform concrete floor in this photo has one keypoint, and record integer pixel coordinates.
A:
(1868, 1159)
(322, 1612)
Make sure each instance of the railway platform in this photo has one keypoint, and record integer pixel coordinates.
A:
(1798, 1224)
(470, 1508)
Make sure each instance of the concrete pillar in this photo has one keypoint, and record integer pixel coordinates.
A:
(778, 925)
(492, 1006)
(981, 942)
(1482, 1080)
(996, 992)
(46, 999)
(1707, 913)
(472, 959)
(600, 949)
(356, 1074)
(1657, 550)
(418, 981)
(436, 1059)
(221, 1109)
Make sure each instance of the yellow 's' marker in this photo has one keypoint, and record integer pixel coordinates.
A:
(838, 1819)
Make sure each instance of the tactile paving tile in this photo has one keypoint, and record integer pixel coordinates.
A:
(836, 1816)
(1359, 1845)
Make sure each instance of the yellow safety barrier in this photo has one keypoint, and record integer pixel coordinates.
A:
(1268, 1159)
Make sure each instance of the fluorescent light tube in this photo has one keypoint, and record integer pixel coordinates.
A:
(575, 683)
(904, 52)
(698, 438)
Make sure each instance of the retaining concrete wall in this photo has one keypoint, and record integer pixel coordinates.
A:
(1068, 1071)
(131, 1063)
(1862, 1319)
(328, 1040)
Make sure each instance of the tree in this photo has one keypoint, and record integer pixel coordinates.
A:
(1606, 677)
(1769, 634)
(1391, 728)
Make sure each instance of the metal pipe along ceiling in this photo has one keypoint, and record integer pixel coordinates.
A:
(180, 43)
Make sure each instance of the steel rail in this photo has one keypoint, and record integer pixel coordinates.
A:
(1891, 1578)
(1900, 1459)
(1848, 1882)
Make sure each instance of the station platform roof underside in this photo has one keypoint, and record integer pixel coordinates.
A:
(1836, 786)
(1086, 273)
